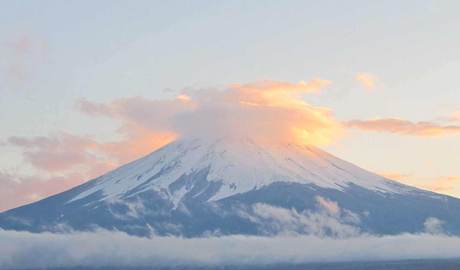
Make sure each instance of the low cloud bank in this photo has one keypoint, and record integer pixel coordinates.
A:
(104, 248)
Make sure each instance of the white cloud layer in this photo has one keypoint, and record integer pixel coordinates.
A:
(104, 248)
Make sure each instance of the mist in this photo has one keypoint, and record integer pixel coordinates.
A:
(107, 248)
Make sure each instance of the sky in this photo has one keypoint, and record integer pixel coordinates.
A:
(87, 86)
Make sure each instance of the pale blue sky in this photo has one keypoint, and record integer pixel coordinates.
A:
(103, 50)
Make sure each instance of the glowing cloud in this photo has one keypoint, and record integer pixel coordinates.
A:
(313, 86)
(445, 184)
(449, 185)
(144, 124)
(367, 80)
(268, 111)
(455, 116)
(398, 126)
(395, 175)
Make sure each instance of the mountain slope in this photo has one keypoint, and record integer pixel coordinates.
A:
(228, 186)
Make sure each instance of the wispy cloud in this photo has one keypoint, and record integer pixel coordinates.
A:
(444, 184)
(59, 153)
(367, 80)
(449, 185)
(20, 58)
(312, 86)
(22, 189)
(395, 175)
(455, 116)
(399, 126)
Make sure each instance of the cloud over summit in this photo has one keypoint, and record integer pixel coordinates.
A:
(268, 111)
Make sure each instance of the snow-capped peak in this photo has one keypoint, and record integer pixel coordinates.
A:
(238, 165)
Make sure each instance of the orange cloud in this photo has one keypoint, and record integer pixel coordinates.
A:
(18, 190)
(398, 126)
(134, 147)
(395, 176)
(312, 86)
(445, 184)
(455, 116)
(64, 153)
(367, 80)
(449, 185)
(183, 98)
(266, 111)
(55, 153)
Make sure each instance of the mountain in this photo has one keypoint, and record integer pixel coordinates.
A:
(195, 187)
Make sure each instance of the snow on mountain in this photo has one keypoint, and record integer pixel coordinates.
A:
(240, 165)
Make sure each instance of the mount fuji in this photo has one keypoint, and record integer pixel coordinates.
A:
(197, 187)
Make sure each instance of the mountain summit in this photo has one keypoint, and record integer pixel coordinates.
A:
(194, 187)
(230, 167)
